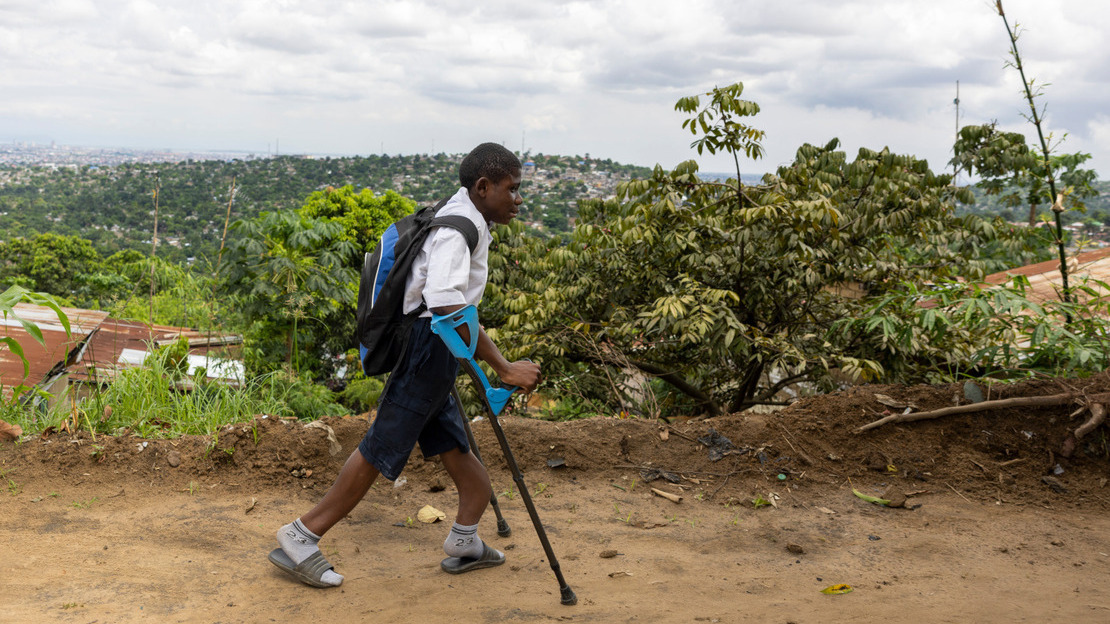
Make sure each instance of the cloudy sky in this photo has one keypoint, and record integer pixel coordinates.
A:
(556, 76)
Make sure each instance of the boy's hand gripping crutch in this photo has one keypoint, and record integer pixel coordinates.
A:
(494, 399)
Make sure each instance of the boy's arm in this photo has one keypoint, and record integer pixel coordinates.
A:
(522, 373)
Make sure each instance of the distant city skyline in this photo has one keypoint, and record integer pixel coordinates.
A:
(569, 77)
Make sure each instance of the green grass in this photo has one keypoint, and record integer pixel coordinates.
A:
(157, 401)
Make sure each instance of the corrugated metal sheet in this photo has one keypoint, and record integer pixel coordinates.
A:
(94, 348)
(102, 357)
(43, 359)
(1046, 282)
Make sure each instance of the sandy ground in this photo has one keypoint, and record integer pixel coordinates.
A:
(107, 530)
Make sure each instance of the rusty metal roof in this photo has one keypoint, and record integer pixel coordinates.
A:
(105, 352)
(96, 345)
(1046, 282)
(42, 359)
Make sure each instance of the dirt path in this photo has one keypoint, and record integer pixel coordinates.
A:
(109, 531)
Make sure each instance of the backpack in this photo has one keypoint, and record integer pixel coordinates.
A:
(383, 330)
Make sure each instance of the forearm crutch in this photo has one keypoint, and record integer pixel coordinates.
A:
(502, 526)
(494, 399)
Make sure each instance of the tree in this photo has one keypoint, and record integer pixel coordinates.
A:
(297, 273)
(363, 216)
(49, 263)
(727, 293)
(1006, 167)
(1040, 174)
(294, 284)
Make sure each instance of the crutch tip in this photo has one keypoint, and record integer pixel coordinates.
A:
(568, 596)
(503, 529)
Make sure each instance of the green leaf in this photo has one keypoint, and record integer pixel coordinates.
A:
(17, 349)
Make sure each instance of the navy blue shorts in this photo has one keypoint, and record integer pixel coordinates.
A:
(416, 406)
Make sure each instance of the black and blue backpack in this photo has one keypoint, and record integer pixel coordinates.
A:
(383, 329)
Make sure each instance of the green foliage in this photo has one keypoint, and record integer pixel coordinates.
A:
(1007, 168)
(728, 293)
(156, 401)
(8, 300)
(70, 269)
(111, 206)
(293, 280)
(173, 359)
(718, 125)
(1004, 155)
(18, 405)
(362, 394)
(952, 330)
(58, 265)
(295, 276)
(308, 401)
(363, 216)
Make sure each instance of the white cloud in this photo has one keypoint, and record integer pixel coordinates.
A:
(347, 76)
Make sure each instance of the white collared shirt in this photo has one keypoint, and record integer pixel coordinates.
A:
(441, 275)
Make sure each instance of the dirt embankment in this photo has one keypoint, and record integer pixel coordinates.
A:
(996, 525)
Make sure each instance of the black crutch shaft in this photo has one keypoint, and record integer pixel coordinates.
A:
(568, 597)
(567, 594)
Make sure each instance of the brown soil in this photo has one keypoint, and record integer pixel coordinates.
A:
(118, 530)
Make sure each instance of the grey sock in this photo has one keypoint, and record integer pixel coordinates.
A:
(463, 541)
(300, 543)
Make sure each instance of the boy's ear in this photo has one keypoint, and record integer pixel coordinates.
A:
(481, 187)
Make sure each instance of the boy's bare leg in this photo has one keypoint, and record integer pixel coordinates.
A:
(350, 486)
(472, 480)
(474, 487)
(299, 539)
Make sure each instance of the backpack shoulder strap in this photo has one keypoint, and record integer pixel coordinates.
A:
(463, 225)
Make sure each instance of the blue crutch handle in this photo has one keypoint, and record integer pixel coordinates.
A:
(446, 326)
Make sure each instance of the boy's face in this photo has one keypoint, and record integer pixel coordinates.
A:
(498, 201)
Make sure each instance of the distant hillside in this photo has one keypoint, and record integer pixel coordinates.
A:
(114, 206)
(1097, 211)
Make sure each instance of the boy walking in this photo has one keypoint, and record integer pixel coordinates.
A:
(416, 405)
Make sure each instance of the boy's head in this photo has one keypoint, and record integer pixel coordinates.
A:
(491, 175)
(488, 160)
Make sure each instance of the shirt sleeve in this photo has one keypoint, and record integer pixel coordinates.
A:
(448, 269)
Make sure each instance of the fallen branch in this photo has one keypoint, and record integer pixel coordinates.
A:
(957, 492)
(674, 498)
(801, 454)
(681, 435)
(1041, 401)
(1098, 416)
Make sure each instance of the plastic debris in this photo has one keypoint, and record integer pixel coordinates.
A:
(429, 515)
(651, 474)
(333, 444)
(972, 392)
(718, 444)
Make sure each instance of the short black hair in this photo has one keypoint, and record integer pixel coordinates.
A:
(489, 160)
